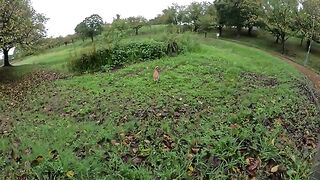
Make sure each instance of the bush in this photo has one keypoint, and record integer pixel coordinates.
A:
(119, 55)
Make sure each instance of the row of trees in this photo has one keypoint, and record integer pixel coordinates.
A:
(282, 18)
(93, 25)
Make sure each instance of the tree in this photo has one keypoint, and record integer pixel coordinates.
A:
(81, 30)
(206, 23)
(208, 20)
(170, 15)
(222, 14)
(239, 13)
(308, 22)
(251, 13)
(195, 10)
(90, 27)
(280, 18)
(137, 22)
(19, 25)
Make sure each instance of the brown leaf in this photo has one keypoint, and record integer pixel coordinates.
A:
(214, 161)
(195, 150)
(253, 165)
(137, 161)
(234, 126)
(115, 143)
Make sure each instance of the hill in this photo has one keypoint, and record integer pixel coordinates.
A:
(225, 111)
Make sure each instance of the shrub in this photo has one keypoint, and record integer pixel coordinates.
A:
(119, 55)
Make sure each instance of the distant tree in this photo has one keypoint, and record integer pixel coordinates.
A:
(19, 25)
(223, 8)
(170, 15)
(206, 23)
(280, 18)
(81, 30)
(120, 25)
(308, 22)
(137, 22)
(251, 12)
(90, 27)
(195, 11)
(118, 16)
(239, 13)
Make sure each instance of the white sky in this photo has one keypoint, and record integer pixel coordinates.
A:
(66, 14)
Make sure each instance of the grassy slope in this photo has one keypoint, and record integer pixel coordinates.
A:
(263, 40)
(228, 101)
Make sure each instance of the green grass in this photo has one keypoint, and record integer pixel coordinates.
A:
(211, 111)
(263, 40)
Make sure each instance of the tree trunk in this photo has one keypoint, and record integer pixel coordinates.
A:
(220, 30)
(6, 58)
(137, 31)
(308, 44)
(277, 39)
(195, 28)
(250, 31)
(238, 31)
(91, 38)
(283, 41)
(301, 41)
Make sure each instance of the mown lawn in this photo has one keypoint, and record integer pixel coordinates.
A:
(225, 112)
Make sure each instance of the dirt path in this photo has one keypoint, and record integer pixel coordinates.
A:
(315, 79)
(311, 75)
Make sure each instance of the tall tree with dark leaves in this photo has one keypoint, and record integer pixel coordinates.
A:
(94, 25)
(20, 25)
(280, 19)
(308, 22)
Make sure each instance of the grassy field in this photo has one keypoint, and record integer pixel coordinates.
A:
(263, 40)
(227, 111)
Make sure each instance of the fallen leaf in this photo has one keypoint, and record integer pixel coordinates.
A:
(278, 169)
(137, 161)
(115, 143)
(195, 150)
(234, 126)
(189, 156)
(70, 174)
(190, 170)
(253, 165)
(272, 142)
(214, 161)
(275, 169)
(134, 150)
(54, 154)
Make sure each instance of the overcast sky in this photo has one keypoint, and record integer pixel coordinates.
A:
(66, 14)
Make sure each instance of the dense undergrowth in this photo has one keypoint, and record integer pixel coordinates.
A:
(124, 53)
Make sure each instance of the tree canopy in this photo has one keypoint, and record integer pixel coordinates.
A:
(90, 27)
(20, 25)
(137, 22)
